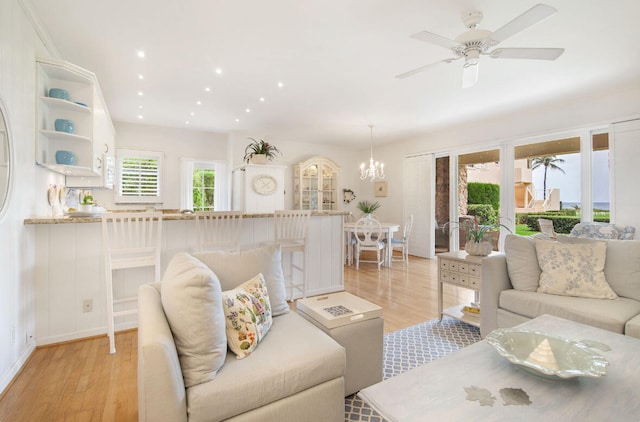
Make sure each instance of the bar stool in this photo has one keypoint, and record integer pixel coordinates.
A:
(291, 234)
(130, 240)
(218, 230)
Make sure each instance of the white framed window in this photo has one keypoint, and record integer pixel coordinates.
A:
(203, 185)
(138, 177)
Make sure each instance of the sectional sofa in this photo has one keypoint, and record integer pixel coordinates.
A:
(186, 373)
(513, 291)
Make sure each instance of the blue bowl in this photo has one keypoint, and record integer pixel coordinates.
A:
(59, 93)
(64, 125)
(66, 157)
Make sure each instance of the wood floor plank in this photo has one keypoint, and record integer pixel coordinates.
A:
(81, 381)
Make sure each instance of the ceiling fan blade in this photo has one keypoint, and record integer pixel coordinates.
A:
(527, 53)
(470, 74)
(436, 39)
(423, 68)
(522, 22)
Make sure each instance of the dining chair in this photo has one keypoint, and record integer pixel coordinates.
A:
(368, 234)
(218, 230)
(130, 240)
(403, 243)
(290, 232)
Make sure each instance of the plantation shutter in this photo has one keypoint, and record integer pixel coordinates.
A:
(139, 176)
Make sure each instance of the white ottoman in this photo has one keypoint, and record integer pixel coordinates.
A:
(357, 325)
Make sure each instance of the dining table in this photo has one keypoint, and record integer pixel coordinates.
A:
(388, 229)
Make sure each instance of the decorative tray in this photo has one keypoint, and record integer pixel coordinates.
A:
(84, 214)
(546, 355)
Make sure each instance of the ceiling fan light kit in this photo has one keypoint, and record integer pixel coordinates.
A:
(475, 42)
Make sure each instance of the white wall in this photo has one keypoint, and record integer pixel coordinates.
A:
(19, 46)
(175, 144)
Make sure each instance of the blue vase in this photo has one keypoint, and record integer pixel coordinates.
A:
(64, 125)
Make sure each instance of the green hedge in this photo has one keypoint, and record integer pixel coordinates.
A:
(485, 213)
(561, 223)
(483, 193)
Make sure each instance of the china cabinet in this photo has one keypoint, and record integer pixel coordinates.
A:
(92, 137)
(315, 184)
(258, 188)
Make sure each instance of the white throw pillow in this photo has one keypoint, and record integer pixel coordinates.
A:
(234, 268)
(570, 269)
(248, 315)
(522, 262)
(192, 301)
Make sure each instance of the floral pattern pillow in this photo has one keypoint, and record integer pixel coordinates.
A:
(595, 231)
(573, 269)
(248, 315)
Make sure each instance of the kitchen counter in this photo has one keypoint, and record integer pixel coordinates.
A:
(167, 215)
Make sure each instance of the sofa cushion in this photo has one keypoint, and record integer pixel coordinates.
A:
(632, 328)
(625, 232)
(294, 356)
(522, 262)
(622, 266)
(248, 315)
(234, 268)
(607, 314)
(192, 302)
(595, 231)
(573, 269)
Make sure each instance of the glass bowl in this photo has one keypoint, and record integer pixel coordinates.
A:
(547, 355)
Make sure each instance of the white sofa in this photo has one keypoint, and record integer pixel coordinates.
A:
(295, 373)
(509, 293)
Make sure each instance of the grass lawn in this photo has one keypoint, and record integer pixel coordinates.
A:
(524, 230)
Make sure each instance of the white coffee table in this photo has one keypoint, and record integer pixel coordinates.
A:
(436, 391)
(357, 325)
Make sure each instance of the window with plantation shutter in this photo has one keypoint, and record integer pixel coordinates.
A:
(139, 176)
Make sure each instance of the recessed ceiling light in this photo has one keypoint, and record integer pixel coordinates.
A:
(237, 120)
(280, 84)
(218, 71)
(198, 102)
(248, 110)
(139, 116)
(140, 93)
(192, 114)
(141, 54)
(207, 89)
(262, 99)
(141, 76)
(140, 106)
(187, 122)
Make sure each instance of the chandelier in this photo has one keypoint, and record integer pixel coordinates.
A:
(376, 169)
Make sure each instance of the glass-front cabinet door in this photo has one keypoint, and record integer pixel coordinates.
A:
(316, 184)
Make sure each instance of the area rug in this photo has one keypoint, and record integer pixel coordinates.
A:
(409, 348)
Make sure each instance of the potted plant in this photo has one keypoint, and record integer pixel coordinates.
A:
(258, 152)
(86, 204)
(478, 242)
(367, 207)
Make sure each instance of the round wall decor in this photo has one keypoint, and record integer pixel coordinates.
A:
(265, 184)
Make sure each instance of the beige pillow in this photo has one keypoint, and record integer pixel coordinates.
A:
(234, 268)
(248, 315)
(573, 269)
(192, 302)
(522, 262)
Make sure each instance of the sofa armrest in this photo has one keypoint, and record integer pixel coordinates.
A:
(161, 392)
(495, 279)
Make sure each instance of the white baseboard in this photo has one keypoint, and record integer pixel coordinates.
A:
(16, 367)
(77, 335)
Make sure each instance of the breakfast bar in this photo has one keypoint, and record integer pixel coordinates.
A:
(69, 276)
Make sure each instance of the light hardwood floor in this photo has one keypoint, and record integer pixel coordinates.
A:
(81, 381)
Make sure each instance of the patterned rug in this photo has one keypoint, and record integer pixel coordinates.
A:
(409, 348)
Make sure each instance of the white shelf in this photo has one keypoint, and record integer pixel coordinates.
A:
(64, 136)
(456, 312)
(69, 170)
(65, 105)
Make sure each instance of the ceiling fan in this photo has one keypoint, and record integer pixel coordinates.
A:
(475, 42)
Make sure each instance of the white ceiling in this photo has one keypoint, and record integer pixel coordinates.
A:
(337, 60)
